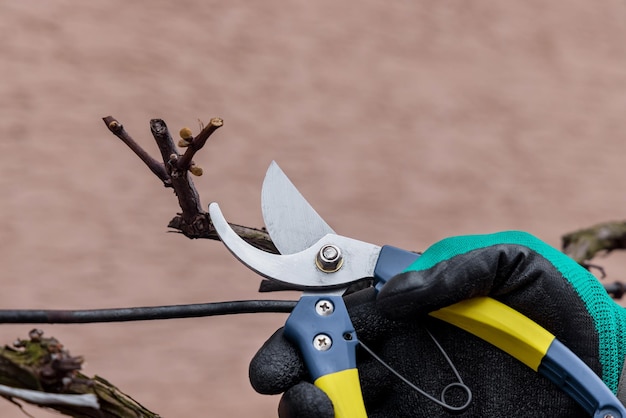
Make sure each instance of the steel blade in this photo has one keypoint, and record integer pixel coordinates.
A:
(291, 221)
(299, 270)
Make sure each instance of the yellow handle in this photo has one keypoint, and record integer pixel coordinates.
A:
(484, 317)
(344, 390)
(501, 326)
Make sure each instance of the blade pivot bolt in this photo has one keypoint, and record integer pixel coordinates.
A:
(324, 307)
(322, 342)
(329, 259)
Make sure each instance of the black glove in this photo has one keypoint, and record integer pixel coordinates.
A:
(515, 268)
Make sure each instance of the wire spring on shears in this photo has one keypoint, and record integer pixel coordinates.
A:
(442, 401)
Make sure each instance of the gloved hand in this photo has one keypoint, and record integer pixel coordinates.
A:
(512, 267)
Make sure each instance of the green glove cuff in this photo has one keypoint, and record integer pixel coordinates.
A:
(609, 318)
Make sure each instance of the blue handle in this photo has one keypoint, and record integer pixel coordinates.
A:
(321, 328)
(305, 324)
(391, 261)
(574, 377)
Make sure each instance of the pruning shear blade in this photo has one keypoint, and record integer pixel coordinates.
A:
(300, 269)
(290, 220)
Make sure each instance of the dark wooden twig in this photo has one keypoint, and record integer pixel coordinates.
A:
(118, 130)
(259, 238)
(192, 221)
(188, 197)
(185, 162)
(584, 244)
(164, 141)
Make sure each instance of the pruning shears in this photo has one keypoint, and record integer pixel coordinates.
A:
(321, 263)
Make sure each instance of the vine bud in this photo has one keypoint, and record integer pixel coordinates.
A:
(186, 134)
(195, 170)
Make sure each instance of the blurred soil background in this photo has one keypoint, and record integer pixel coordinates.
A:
(402, 122)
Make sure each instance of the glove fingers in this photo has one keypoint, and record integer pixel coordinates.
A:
(464, 267)
(277, 366)
(304, 400)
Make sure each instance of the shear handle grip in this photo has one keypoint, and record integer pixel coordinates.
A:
(322, 330)
(517, 335)
(344, 390)
(534, 346)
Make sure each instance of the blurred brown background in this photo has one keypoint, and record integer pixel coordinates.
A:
(402, 122)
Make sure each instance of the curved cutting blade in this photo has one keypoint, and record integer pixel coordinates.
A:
(300, 269)
(290, 220)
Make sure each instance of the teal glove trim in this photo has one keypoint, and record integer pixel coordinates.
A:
(609, 317)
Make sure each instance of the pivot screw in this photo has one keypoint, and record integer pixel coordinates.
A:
(322, 342)
(324, 307)
(329, 259)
